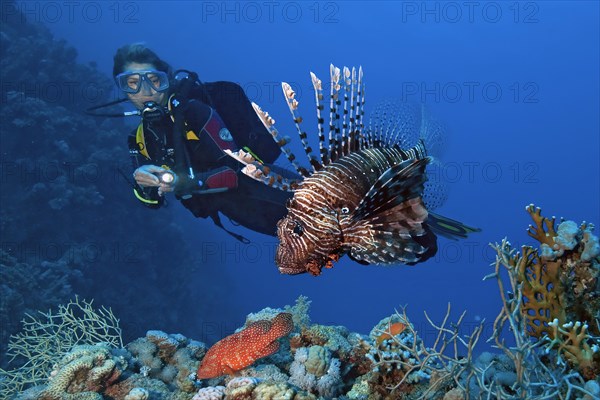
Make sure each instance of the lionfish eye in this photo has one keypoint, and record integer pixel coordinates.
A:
(345, 210)
(297, 228)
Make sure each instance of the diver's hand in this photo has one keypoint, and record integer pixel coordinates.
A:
(167, 187)
(146, 175)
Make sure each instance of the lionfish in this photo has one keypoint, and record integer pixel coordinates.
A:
(362, 197)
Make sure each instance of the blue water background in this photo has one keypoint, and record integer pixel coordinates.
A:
(528, 132)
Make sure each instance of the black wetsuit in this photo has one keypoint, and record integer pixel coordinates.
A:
(246, 201)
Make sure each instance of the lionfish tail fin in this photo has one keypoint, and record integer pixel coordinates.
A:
(448, 227)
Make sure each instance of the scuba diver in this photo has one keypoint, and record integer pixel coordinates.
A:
(179, 144)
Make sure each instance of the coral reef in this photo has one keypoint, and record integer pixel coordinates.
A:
(558, 288)
(243, 388)
(171, 359)
(83, 372)
(327, 362)
(316, 371)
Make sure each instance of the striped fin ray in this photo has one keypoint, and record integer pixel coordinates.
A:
(334, 111)
(264, 174)
(356, 136)
(352, 113)
(376, 126)
(318, 87)
(396, 235)
(391, 131)
(418, 152)
(396, 185)
(269, 123)
(346, 116)
(373, 123)
(400, 234)
(292, 103)
(402, 124)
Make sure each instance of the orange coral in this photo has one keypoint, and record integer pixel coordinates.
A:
(543, 292)
(237, 351)
(558, 285)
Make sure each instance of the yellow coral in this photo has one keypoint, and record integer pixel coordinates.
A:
(543, 231)
(557, 287)
(540, 285)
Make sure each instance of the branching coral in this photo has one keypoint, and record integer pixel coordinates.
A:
(45, 339)
(572, 343)
(403, 358)
(555, 292)
(540, 374)
(550, 355)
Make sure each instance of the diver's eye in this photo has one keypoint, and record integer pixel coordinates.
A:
(133, 82)
(297, 229)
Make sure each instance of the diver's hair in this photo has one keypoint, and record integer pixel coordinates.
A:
(138, 53)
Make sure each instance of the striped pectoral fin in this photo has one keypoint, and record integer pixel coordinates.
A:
(395, 186)
(448, 227)
(399, 237)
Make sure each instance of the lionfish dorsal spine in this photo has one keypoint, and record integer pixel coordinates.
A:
(264, 174)
(424, 126)
(334, 115)
(360, 102)
(318, 87)
(353, 126)
(347, 116)
(269, 124)
(290, 97)
(395, 132)
(392, 131)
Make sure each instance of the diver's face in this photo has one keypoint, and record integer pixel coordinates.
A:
(146, 93)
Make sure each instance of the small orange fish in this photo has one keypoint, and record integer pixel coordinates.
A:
(238, 351)
(393, 329)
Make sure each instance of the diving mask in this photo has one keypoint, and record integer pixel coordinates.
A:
(132, 81)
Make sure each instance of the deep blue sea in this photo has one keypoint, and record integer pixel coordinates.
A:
(516, 85)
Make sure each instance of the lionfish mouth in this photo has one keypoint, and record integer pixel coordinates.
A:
(290, 265)
(312, 266)
(286, 263)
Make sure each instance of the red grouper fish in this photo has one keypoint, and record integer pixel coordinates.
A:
(240, 350)
(364, 196)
